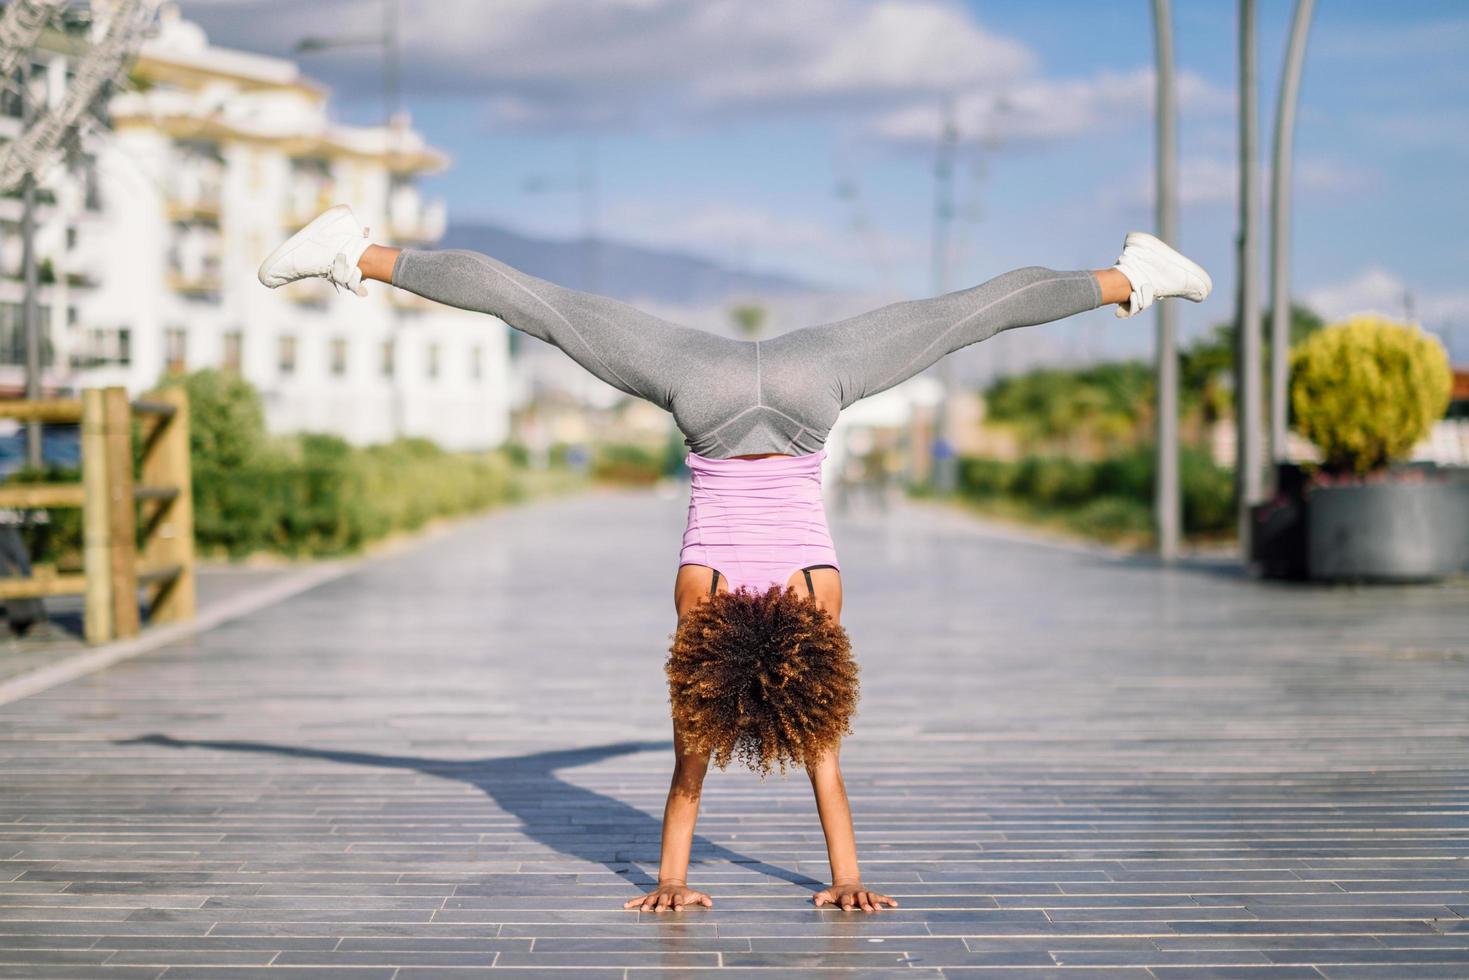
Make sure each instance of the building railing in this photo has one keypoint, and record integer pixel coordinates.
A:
(114, 507)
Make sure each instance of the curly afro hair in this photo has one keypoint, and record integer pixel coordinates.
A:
(763, 677)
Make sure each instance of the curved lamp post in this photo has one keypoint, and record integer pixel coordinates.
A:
(1280, 187)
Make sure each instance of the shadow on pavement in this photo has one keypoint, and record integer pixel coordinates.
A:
(528, 788)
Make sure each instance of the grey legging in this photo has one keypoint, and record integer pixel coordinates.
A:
(739, 397)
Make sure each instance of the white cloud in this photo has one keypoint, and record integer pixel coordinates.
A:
(1038, 109)
(888, 64)
(1214, 182)
(1378, 290)
(570, 62)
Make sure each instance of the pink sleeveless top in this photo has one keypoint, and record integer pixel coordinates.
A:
(757, 521)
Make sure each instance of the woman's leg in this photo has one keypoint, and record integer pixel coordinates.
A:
(874, 351)
(633, 351)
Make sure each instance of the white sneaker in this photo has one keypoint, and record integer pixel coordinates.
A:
(1156, 271)
(329, 246)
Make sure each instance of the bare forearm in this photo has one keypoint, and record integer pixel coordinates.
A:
(680, 814)
(836, 826)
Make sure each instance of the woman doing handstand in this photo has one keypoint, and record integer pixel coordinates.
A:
(760, 668)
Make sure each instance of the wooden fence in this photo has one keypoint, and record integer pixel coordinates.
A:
(114, 508)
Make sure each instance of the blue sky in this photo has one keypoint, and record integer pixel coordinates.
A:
(726, 128)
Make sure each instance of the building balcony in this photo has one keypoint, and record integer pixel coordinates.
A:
(203, 283)
(202, 209)
(401, 299)
(414, 221)
(307, 199)
(309, 292)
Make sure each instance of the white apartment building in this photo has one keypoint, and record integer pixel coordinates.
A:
(213, 157)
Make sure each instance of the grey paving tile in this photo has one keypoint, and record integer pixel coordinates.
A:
(163, 957)
(57, 971)
(1234, 973)
(277, 973)
(1058, 973)
(1427, 971)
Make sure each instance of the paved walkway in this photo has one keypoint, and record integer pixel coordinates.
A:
(217, 584)
(450, 764)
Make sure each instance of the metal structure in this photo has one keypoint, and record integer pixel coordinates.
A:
(1247, 368)
(1167, 509)
(1280, 238)
(21, 25)
(945, 467)
(47, 125)
(100, 65)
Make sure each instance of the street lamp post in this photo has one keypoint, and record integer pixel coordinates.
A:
(1280, 187)
(944, 475)
(30, 306)
(1166, 493)
(389, 42)
(1247, 341)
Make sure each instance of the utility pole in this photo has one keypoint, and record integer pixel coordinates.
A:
(587, 190)
(30, 306)
(391, 10)
(1247, 339)
(1166, 506)
(944, 476)
(1280, 237)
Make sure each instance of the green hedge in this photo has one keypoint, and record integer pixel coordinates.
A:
(1115, 493)
(315, 494)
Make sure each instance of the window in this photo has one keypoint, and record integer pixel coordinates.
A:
(124, 345)
(13, 335)
(175, 350)
(286, 355)
(234, 351)
(387, 358)
(339, 356)
(476, 362)
(433, 360)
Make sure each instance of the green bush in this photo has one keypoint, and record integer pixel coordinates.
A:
(626, 463)
(1107, 495)
(1207, 491)
(226, 418)
(314, 493)
(980, 477)
(1055, 480)
(1367, 390)
(1113, 516)
(1128, 474)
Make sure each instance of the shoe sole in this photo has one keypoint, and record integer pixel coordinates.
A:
(1173, 255)
(297, 240)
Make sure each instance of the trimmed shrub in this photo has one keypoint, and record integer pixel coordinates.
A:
(1367, 390)
(1114, 516)
(1107, 495)
(627, 463)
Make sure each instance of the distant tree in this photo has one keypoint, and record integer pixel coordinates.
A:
(749, 319)
(1206, 366)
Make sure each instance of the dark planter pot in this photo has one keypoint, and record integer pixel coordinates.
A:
(1278, 532)
(1389, 531)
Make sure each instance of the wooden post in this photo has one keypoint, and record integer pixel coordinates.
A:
(96, 541)
(166, 464)
(122, 516)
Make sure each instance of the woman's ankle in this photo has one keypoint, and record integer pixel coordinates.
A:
(377, 262)
(1115, 286)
